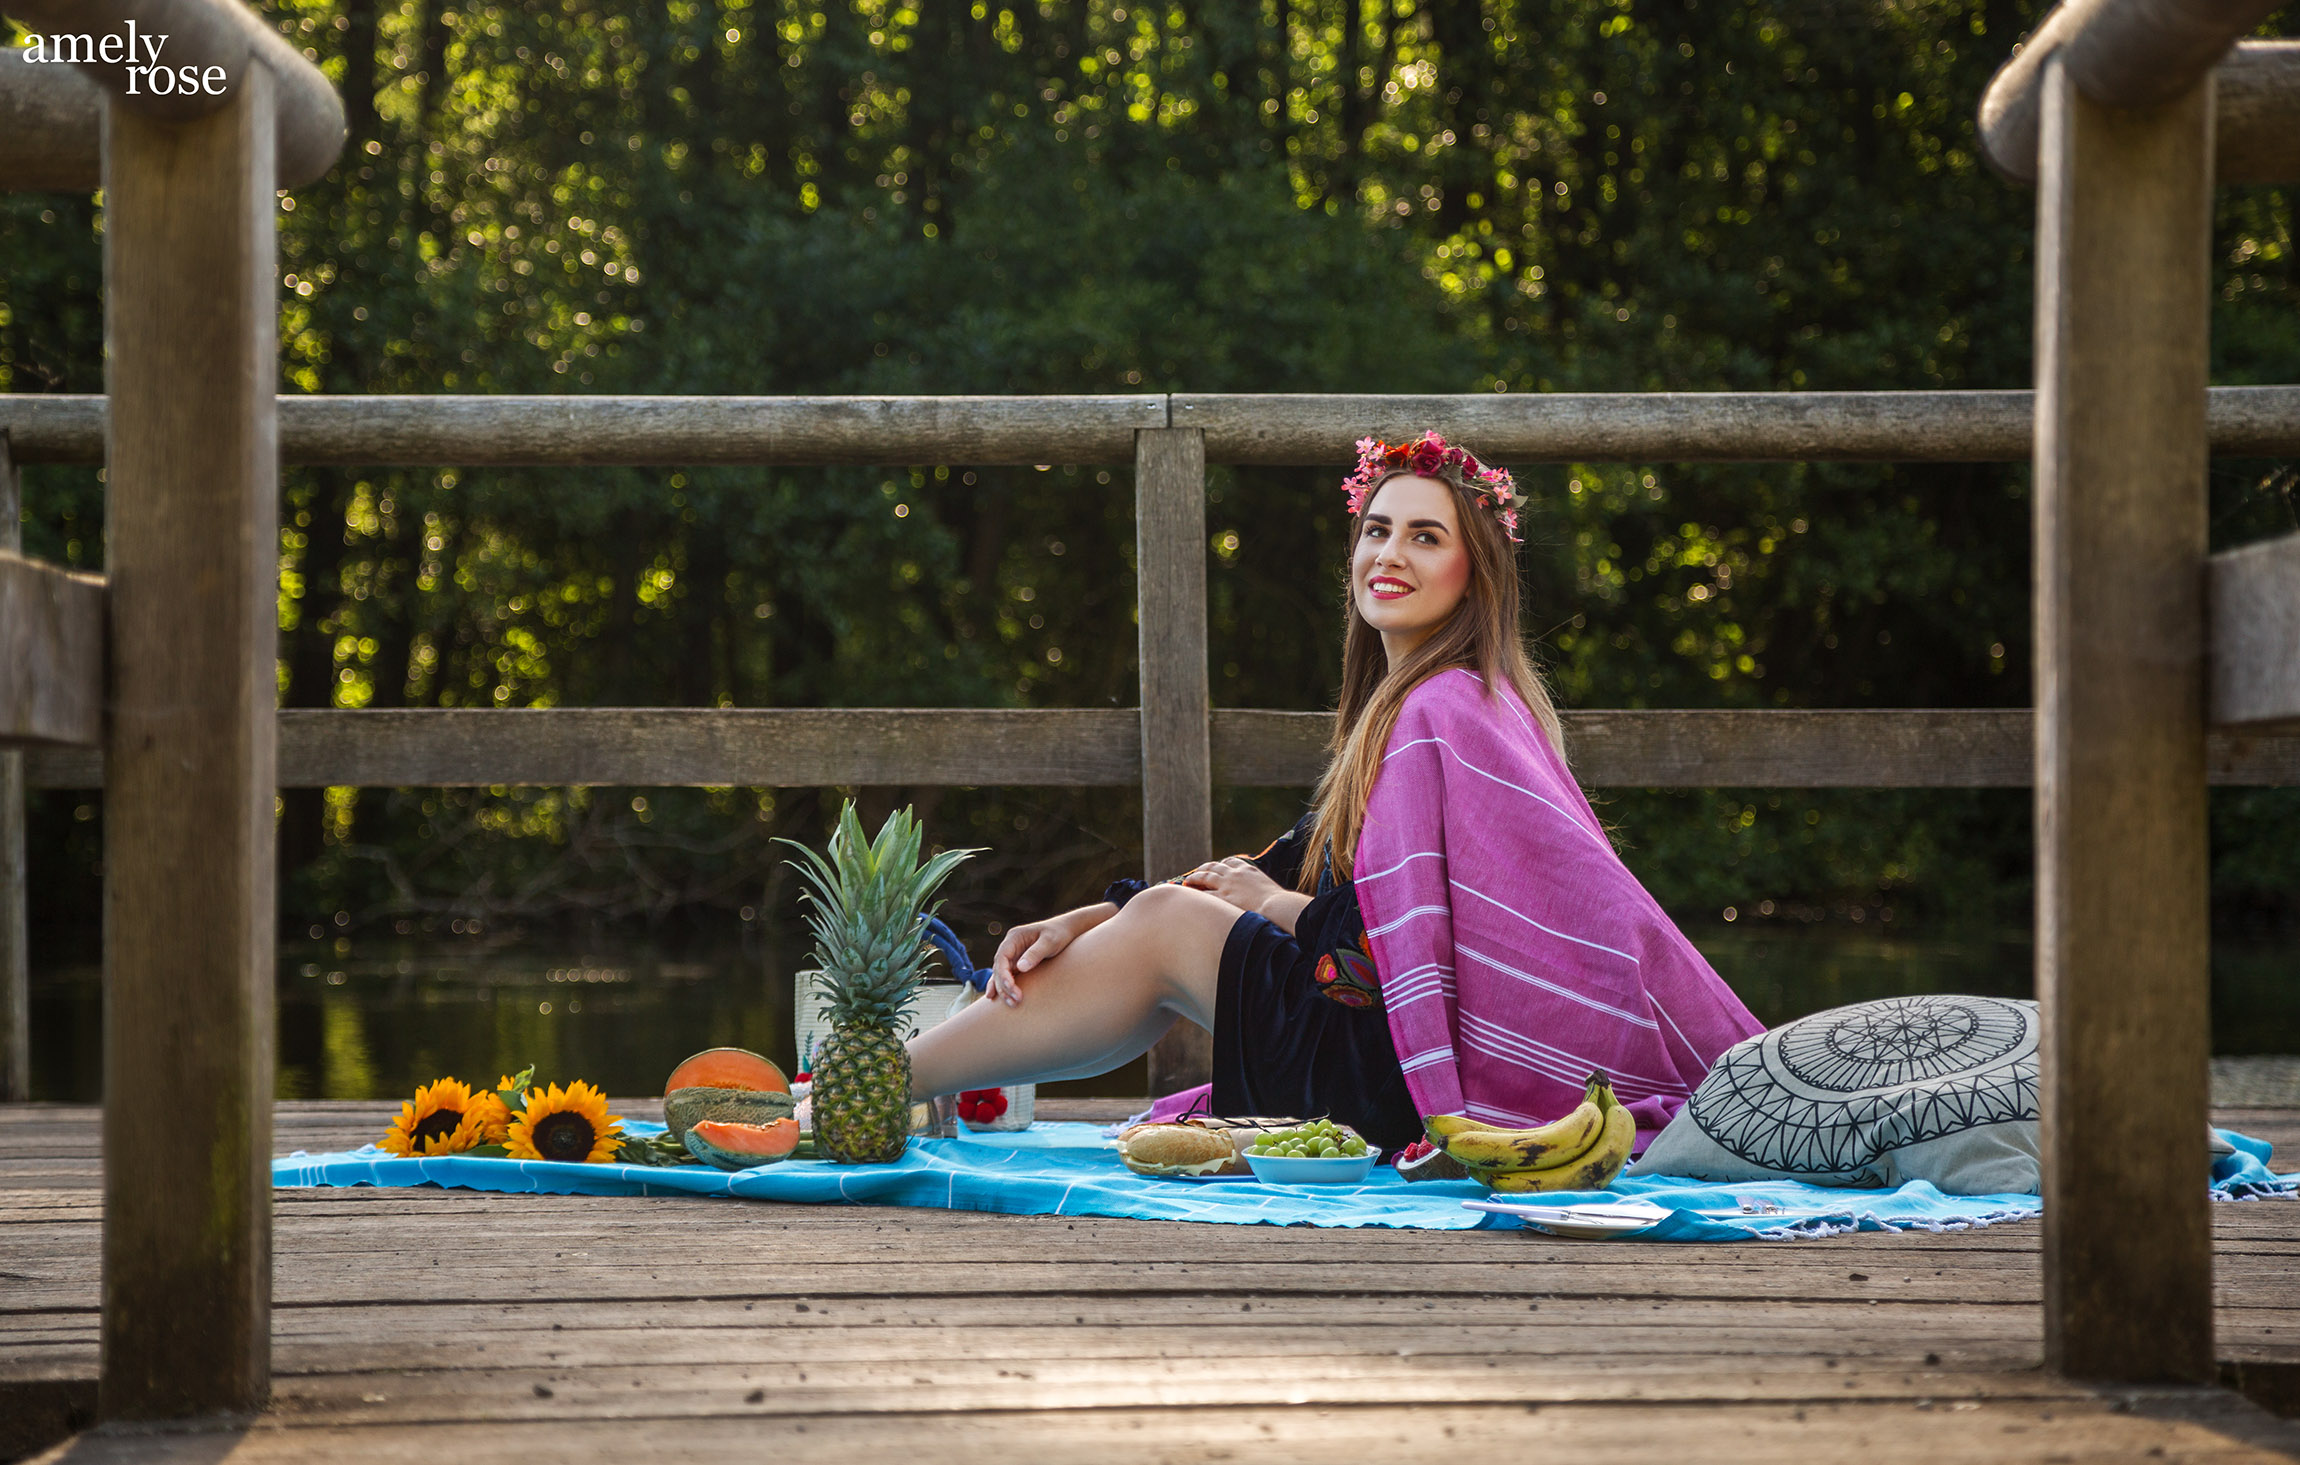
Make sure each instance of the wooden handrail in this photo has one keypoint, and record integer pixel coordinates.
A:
(1685, 427)
(202, 34)
(1101, 747)
(2137, 53)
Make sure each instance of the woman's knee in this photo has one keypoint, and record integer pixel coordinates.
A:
(1173, 908)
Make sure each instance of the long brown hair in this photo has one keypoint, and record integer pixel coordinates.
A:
(1482, 636)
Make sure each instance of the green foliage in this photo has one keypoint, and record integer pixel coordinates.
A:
(1283, 195)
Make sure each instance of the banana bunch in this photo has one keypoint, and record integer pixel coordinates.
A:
(1583, 1151)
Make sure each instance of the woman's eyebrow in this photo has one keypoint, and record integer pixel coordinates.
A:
(1429, 524)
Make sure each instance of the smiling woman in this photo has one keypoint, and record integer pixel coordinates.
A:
(1502, 950)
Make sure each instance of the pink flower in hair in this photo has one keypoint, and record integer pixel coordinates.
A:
(1430, 455)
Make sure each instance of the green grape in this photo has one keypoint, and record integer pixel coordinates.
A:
(1355, 1146)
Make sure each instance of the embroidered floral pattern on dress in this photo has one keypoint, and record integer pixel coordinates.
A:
(1346, 975)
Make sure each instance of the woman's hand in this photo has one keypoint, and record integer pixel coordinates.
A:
(1237, 880)
(1027, 947)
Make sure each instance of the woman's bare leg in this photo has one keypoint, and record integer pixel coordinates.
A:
(1111, 994)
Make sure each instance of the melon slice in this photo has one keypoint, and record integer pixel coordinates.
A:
(740, 1146)
(728, 1068)
(684, 1108)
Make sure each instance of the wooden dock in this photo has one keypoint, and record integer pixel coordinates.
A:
(431, 1325)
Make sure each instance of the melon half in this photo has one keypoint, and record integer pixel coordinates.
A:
(728, 1068)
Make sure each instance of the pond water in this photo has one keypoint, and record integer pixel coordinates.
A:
(374, 1019)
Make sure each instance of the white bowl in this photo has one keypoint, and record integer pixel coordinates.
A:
(1294, 1170)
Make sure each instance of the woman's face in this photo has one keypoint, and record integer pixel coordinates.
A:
(1410, 568)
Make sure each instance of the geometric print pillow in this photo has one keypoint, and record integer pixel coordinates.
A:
(1936, 1088)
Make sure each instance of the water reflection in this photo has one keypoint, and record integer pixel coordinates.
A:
(375, 1020)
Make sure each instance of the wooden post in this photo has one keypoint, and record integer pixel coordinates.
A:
(1177, 764)
(2123, 215)
(15, 966)
(190, 330)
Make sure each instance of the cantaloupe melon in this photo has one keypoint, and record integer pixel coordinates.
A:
(728, 1068)
(740, 1146)
(684, 1108)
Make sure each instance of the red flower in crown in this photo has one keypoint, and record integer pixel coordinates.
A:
(1430, 455)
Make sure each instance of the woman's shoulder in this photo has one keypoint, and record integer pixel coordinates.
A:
(1457, 694)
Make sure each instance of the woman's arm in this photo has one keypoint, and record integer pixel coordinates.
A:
(1025, 947)
(1241, 882)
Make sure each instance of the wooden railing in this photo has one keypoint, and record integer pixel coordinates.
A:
(2140, 637)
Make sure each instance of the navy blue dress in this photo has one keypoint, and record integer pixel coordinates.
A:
(1298, 1025)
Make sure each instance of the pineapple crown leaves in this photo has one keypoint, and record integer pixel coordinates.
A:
(870, 899)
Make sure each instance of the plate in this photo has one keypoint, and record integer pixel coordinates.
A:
(1289, 1170)
(1582, 1223)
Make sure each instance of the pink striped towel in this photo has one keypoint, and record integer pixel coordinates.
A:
(1516, 952)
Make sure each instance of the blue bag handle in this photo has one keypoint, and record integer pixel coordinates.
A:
(954, 954)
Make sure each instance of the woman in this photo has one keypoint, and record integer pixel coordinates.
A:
(1448, 929)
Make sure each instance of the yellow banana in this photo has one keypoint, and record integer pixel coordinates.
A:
(1552, 1144)
(1594, 1170)
(1490, 1147)
(1442, 1127)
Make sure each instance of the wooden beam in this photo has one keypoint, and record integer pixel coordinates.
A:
(2120, 53)
(672, 747)
(1177, 767)
(192, 556)
(2256, 114)
(51, 129)
(15, 963)
(2254, 594)
(1565, 427)
(2123, 930)
(642, 431)
(1689, 427)
(51, 653)
(220, 41)
(708, 747)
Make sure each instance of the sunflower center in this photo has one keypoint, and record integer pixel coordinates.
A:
(564, 1137)
(438, 1124)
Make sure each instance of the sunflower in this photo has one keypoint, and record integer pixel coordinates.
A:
(494, 1116)
(565, 1124)
(444, 1119)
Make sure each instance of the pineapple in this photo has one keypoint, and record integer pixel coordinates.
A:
(869, 902)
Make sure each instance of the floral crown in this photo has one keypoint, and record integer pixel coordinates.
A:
(1431, 456)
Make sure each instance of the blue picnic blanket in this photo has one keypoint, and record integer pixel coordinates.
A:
(1072, 1170)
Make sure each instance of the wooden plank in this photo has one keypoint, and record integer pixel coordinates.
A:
(1101, 748)
(1563, 427)
(2254, 596)
(2123, 968)
(15, 962)
(691, 747)
(2210, 1426)
(191, 516)
(2256, 114)
(2247, 422)
(555, 431)
(51, 654)
(1687, 427)
(1177, 766)
(51, 129)
(2122, 54)
(203, 34)
(1773, 748)
(1090, 747)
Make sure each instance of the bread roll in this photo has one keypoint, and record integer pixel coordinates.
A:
(1178, 1149)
